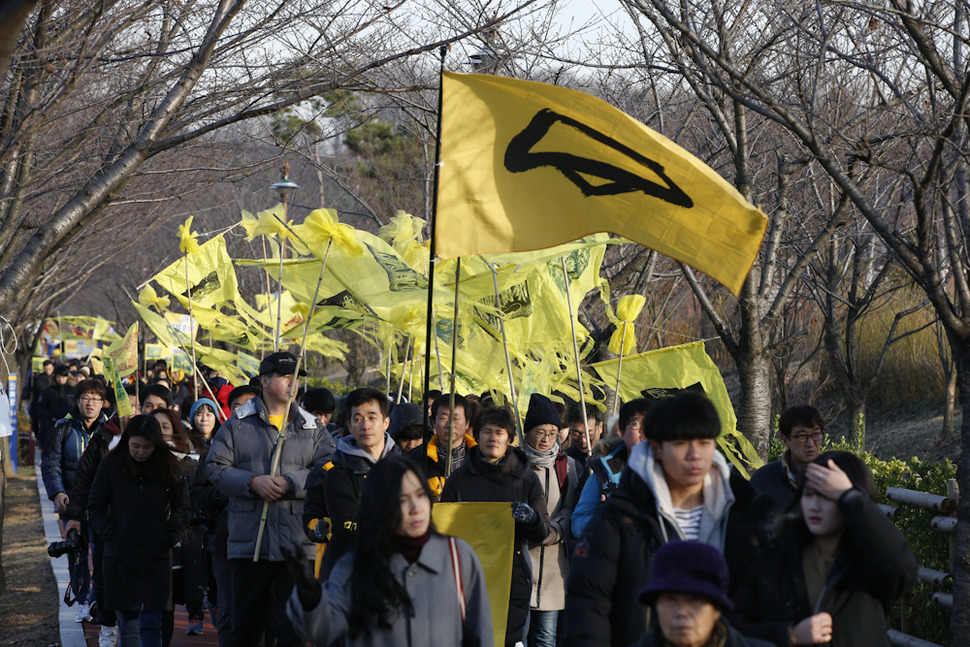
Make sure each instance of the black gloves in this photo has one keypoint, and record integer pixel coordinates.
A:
(523, 512)
(321, 532)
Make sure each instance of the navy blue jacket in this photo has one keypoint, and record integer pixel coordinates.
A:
(63, 450)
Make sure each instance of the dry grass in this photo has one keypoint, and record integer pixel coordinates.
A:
(28, 609)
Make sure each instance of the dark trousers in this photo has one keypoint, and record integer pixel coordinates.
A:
(106, 616)
(259, 594)
(222, 570)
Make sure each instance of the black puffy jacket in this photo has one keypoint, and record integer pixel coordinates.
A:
(511, 479)
(874, 568)
(612, 561)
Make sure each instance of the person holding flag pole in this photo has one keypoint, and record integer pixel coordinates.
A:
(265, 451)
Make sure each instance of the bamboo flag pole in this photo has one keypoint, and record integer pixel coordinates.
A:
(508, 359)
(619, 371)
(579, 372)
(437, 355)
(279, 291)
(278, 448)
(188, 294)
(404, 369)
(454, 356)
(414, 360)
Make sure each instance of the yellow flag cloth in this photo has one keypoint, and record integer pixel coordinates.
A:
(124, 352)
(527, 165)
(211, 276)
(122, 403)
(680, 367)
(490, 531)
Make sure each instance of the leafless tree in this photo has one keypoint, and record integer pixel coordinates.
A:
(880, 87)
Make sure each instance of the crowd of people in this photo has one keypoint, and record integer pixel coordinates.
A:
(292, 521)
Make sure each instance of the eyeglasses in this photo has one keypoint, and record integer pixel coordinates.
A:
(636, 424)
(548, 435)
(816, 436)
(90, 398)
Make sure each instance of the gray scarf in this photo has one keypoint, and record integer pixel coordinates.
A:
(545, 459)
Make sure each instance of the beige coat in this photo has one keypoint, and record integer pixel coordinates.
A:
(550, 559)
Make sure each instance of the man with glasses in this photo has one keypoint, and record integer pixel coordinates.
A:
(578, 424)
(803, 431)
(62, 453)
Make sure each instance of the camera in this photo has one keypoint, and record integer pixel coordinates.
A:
(71, 544)
(608, 488)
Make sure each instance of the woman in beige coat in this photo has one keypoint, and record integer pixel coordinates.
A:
(559, 476)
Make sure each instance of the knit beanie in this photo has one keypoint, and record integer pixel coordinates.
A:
(541, 412)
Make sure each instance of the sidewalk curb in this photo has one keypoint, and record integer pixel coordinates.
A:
(72, 633)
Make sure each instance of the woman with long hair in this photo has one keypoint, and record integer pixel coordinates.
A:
(405, 584)
(139, 506)
(835, 569)
(173, 432)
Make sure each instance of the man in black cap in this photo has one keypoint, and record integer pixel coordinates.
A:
(240, 465)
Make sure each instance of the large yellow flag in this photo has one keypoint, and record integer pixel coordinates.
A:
(527, 165)
(490, 531)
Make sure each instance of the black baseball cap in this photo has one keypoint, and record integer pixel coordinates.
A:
(282, 363)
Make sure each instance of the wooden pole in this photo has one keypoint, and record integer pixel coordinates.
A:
(579, 372)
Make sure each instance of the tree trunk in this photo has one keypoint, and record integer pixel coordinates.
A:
(950, 376)
(960, 621)
(856, 432)
(754, 410)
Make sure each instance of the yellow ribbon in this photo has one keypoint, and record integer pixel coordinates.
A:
(188, 242)
(322, 226)
(627, 309)
(150, 299)
(265, 223)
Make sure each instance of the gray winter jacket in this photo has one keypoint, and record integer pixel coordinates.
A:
(430, 581)
(243, 448)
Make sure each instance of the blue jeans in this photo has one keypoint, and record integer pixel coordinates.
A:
(542, 628)
(149, 626)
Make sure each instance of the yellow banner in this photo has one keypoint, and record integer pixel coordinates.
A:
(527, 165)
(122, 403)
(124, 352)
(490, 531)
(656, 372)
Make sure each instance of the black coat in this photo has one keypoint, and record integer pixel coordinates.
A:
(140, 521)
(55, 402)
(772, 481)
(87, 467)
(874, 568)
(342, 488)
(512, 479)
(209, 507)
(612, 560)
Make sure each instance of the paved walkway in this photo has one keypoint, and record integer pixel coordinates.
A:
(75, 634)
